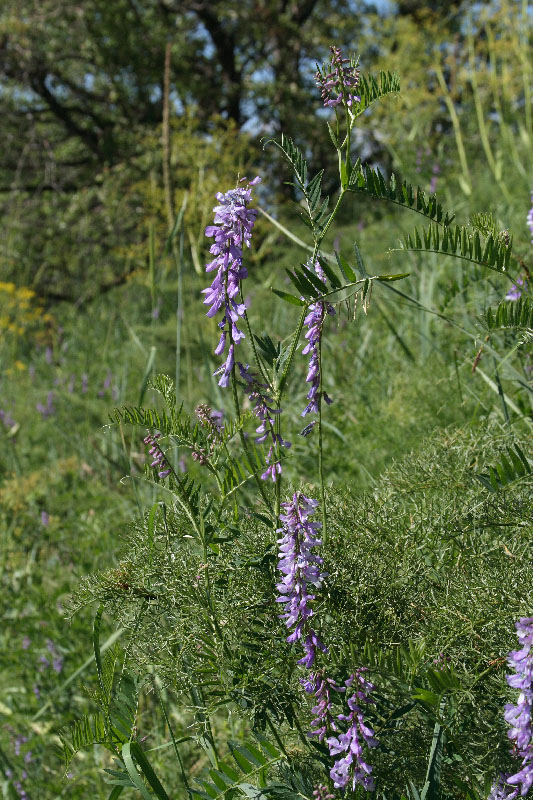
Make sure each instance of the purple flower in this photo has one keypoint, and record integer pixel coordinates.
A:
(19, 740)
(107, 384)
(84, 383)
(300, 568)
(26, 642)
(45, 518)
(433, 184)
(157, 454)
(57, 664)
(233, 228)
(352, 768)
(49, 409)
(263, 410)
(314, 322)
(321, 792)
(519, 715)
(212, 420)
(321, 686)
(515, 292)
(529, 219)
(6, 419)
(337, 79)
(500, 791)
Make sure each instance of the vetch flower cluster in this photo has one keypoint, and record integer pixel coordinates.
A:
(529, 219)
(321, 792)
(159, 458)
(501, 791)
(352, 768)
(233, 228)
(321, 687)
(315, 322)
(212, 421)
(338, 79)
(262, 408)
(300, 568)
(519, 715)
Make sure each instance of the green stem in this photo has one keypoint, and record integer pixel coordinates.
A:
(174, 743)
(328, 223)
(245, 443)
(254, 348)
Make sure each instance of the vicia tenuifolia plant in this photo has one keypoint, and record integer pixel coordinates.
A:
(260, 627)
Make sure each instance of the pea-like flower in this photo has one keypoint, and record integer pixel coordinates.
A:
(300, 568)
(352, 768)
(157, 454)
(314, 322)
(321, 687)
(519, 715)
(233, 228)
(262, 408)
(338, 80)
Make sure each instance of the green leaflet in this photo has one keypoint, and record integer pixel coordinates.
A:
(251, 762)
(461, 242)
(289, 298)
(367, 180)
(431, 788)
(510, 314)
(508, 470)
(311, 190)
(371, 89)
(132, 750)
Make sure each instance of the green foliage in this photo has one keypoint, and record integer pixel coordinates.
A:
(113, 725)
(507, 471)
(427, 568)
(371, 89)
(246, 776)
(516, 315)
(365, 179)
(315, 215)
(419, 557)
(463, 243)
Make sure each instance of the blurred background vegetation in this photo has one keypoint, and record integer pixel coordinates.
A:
(120, 122)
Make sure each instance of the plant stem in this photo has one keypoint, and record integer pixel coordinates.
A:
(254, 348)
(245, 443)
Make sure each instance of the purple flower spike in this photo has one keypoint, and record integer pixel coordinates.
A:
(352, 768)
(157, 454)
(262, 408)
(529, 219)
(300, 567)
(233, 228)
(338, 79)
(519, 715)
(315, 322)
